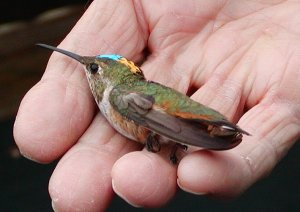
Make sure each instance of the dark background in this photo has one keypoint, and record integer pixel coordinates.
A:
(24, 184)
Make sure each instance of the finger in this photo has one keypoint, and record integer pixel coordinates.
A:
(51, 117)
(82, 179)
(274, 130)
(59, 108)
(225, 91)
(144, 179)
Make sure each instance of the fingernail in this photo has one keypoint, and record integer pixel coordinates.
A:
(120, 195)
(53, 206)
(28, 157)
(190, 191)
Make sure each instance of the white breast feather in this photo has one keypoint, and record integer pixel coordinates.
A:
(106, 108)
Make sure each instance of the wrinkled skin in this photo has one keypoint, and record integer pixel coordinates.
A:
(241, 58)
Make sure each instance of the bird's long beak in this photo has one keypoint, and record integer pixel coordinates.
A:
(69, 54)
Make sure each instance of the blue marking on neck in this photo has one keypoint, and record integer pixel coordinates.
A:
(110, 56)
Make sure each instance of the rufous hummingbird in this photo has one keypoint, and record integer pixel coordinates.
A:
(151, 113)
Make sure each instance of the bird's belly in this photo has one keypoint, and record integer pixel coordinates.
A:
(125, 127)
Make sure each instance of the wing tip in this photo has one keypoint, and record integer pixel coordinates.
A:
(234, 127)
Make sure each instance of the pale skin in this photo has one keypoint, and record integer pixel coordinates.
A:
(241, 57)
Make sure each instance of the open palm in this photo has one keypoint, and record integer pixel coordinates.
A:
(241, 58)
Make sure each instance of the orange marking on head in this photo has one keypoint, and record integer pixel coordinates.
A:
(133, 68)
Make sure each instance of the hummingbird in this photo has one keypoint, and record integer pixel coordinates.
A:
(151, 113)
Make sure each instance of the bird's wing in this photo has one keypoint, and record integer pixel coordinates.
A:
(186, 129)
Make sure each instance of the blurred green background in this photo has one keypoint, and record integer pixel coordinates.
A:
(24, 184)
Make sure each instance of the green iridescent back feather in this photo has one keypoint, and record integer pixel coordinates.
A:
(167, 98)
(171, 100)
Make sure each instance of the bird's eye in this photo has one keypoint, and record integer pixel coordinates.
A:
(93, 67)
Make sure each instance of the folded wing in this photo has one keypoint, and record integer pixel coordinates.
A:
(143, 110)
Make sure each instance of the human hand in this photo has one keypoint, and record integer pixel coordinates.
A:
(240, 59)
